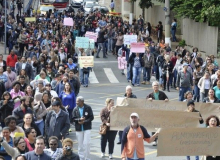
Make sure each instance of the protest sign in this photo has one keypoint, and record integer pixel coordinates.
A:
(92, 35)
(91, 43)
(128, 39)
(189, 142)
(137, 47)
(151, 118)
(68, 22)
(86, 61)
(207, 109)
(82, 42)
(122, 63)
(30, 19)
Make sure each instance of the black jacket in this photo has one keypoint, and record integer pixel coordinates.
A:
(6, 110)
(2, 88)
(206, 99)
(57, 126)
(87, 113)
(162, 95)
(19, 114)
(76, 84)
(32, 125)
(28, 69)
(132, 57)
(132, 95)
(73, 156)
(101, 38)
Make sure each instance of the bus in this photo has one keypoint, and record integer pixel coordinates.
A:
(61, 5)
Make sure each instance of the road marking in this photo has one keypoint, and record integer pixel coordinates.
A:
(92, 78)
(110, 75)
(98, 62)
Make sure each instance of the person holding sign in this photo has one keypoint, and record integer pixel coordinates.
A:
(132, 147)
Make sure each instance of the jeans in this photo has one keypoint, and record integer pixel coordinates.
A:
(70, 111)
(175, 76)
(173, 32)
(182, 91)
(160, 76)
(156, 71)
(148, 72)
(110, 44)
(41, 127)
(196, 93)
(81, 77)
(120, 135)
(188, 157)
(101, 46)
(85, 76)
(205, 94)
(128, 72)
(110, 137)
(136, 75)
(133, 159)
(83, 138)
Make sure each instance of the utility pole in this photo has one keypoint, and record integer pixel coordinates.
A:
(5, 24)
(167, 22)
(131, 15)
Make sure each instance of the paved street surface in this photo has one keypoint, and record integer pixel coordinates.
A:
(106, 81)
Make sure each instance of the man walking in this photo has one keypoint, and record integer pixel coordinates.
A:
(57, 122)
(83, 116)
(184, 82)
(132, 147)
(148, 66)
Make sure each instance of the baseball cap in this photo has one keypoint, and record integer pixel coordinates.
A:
(134, 115)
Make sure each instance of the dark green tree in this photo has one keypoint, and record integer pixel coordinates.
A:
(145, 4)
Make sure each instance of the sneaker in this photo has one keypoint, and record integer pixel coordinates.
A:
(102, 155)
(154, 143)
(119, 143)
(147, 82)
(144, 82)
(70, 130)
(97, 57)
(110, 156)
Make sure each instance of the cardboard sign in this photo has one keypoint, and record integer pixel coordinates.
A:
(128, 39)
(82, 42)
(68, 22)
(189, 142)
(137, 47)
(151, 119)
(30, 19)
(86, 61)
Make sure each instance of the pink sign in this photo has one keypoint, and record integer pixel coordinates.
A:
(91, 35)
(137, 47)
(122, 63)
(68, 22)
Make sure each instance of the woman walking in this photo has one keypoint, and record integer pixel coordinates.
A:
(110, 135)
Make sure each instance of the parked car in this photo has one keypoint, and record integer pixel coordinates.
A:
(90, 1)
(77, 3)
(88, 6)
(102, 9)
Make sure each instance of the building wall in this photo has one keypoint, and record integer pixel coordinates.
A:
(200, 35)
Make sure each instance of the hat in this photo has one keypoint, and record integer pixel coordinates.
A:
(134, 114)
(56, 103)
(190, 102)
(185, 64)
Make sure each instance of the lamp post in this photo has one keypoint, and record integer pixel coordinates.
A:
(5, 23)
(167, 22)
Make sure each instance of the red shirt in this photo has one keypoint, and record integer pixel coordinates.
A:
(11, 60)
(173, 60)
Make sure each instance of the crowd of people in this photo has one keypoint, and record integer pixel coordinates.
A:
(40, 82)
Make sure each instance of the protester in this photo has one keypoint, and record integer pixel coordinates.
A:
(16, 93)
(211, 97)
(130, 139)
(83, 116)
(67, 151)
(188, 96)
(38, 152)
(110, 135)
(204, 85)
(30, 135)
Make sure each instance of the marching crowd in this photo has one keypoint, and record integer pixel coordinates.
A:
(40, 83)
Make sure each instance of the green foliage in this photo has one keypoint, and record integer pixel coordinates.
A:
(199, 10)
(182, 43)
(145, 4)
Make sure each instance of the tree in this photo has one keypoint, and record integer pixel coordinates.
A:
(145, 4)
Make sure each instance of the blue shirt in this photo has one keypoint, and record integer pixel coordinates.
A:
(81, 115)
(3, 78)
(71, 66)
(7, 157)
(68, 99)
